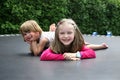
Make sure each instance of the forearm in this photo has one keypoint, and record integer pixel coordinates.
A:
(48, 55)
(34, 48)
(72, 56)
(87, 53)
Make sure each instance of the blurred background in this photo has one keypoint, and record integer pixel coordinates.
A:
(90, 15)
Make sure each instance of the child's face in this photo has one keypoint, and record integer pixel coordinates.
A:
(66, 34)
(30, 36)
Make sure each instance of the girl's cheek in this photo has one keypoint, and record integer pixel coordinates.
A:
(25, 38)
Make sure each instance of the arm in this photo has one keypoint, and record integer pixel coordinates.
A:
(48, 55)
(36, 48)
(87, 53)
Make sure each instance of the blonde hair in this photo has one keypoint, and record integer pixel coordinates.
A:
(30, 25)
(77, 43)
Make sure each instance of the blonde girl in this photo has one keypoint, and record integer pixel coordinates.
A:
(35, 36)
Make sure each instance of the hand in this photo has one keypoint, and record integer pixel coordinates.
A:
(30, 41)
(70, 56)
(31, 36)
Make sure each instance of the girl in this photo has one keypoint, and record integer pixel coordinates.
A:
(35, 36)
(68, 43)
(89, 45)
(39, 40)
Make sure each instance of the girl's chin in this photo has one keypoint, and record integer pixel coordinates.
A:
(66, 44)
(28, 42)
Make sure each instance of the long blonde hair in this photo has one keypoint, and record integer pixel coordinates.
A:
(30, 25)
(77, 43)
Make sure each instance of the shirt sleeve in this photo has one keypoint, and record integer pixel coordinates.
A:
(87, 53)
(49, 55)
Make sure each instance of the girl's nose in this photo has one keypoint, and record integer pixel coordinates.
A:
(65, 35)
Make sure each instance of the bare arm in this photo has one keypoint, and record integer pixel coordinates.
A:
(36, 48)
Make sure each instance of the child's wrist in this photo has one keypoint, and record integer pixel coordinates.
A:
(78, 55)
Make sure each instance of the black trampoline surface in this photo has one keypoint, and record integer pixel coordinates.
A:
(17, 64)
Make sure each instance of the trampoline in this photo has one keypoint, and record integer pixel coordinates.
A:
(17, 64)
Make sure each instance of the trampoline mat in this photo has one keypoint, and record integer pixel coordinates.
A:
(17, 64)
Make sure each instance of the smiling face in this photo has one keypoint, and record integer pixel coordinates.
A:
(30, 36)
(66, 34)
(30, 31)
(68, 37)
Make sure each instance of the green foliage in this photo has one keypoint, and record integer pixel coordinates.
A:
(8, 28)
(52, 12)
(96, 15)
(90, 15)
(45, 12)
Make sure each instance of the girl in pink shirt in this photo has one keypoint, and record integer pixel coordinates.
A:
(68, 44)
(89, 45)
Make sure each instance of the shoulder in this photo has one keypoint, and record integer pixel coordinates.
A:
(47, 50)
(44, 40)
(85, 47)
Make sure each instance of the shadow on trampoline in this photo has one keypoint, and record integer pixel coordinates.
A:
(26, 54)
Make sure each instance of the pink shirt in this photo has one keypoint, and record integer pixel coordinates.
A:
(49, 55)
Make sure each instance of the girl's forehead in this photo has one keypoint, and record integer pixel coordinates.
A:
(66, 29)
(66, 26)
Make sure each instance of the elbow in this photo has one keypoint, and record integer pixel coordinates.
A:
(36, 53)
(88, 55)
(41, 59)
(93, 54)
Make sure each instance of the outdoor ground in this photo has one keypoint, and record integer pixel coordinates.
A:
(17, 64)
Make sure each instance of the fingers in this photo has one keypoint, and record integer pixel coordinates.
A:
(71, 57)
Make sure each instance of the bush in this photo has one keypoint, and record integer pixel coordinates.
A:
(9, 28)
(90, 15)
